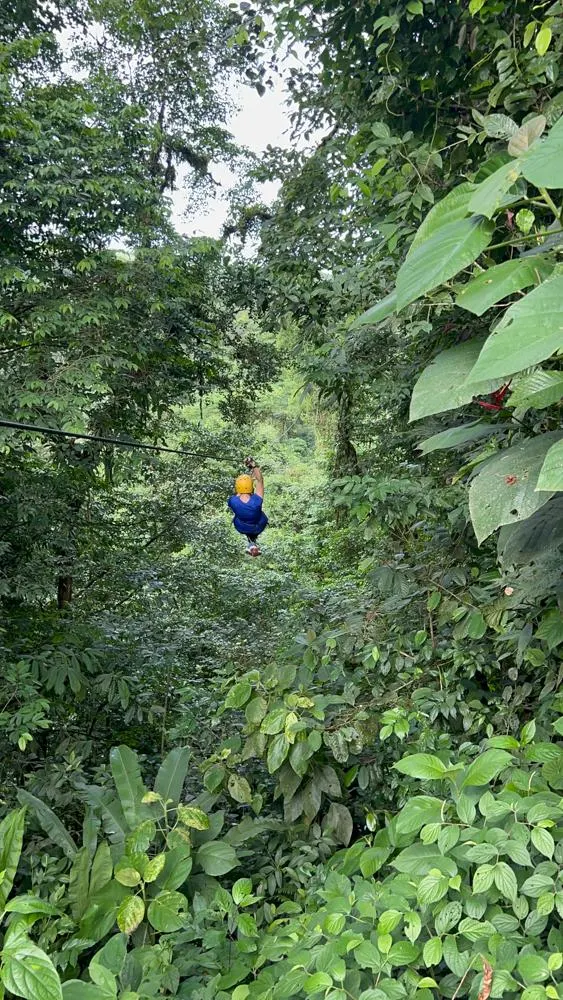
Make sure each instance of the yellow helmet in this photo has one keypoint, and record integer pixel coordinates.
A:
(244, 484)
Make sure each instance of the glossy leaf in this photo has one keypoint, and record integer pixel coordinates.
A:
(168, 911)
(455, 437)
(172, 774)
(453, 247)
(50, 822)
(551, 472)
(378, 312)
(504, 491)
(486, 767)
(543, 165)
(445, 384)
(497, 282)
(128, 782)
(28, 972)
(530, 331)
(11, 839)
(490, 193)
(217, 858)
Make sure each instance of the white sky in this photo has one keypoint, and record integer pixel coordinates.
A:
(259, 122)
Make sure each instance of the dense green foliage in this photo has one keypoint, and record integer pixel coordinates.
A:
(336, 771)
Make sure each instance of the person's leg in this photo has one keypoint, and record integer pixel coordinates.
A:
(252, 548)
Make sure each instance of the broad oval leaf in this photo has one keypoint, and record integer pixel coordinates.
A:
(504, 491)
(168, 911)
(440, 257)
(497, 282)
(172, 773)
(526, 135)
(530, 331)
(378, 312)
(543, 165)
(11, 839)
(451, 208)
(444, 384)
(455, 437)
(126, 773)
(28, 972)
(487, 766)
(551, 472)
(130, 913)
(49, 821)
(421, 765)
(542, 532)
(490, 193)
(217, 857)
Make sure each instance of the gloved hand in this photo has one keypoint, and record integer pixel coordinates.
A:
(250, 463)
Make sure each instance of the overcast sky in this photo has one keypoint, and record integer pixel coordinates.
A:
(259, 122)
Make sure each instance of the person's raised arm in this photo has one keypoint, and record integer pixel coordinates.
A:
(258, 480)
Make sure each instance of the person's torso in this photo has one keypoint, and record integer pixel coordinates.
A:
(249, 511)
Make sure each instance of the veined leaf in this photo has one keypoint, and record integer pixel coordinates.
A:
(377, 313)
(551, 472)
(28, 972)
(538, 534)
(543, 165)
(113, 819)
(504, 491)
(497, 282)
(50, 822)
(11, 838)
(445, 383)
(454, 437)
(172, 774)
(486, 767)
(451, 208)
(530, 331)
(126, 773)
(440, 257)
(539, 389)
(421, 765)
(526, 135)
(490, 193)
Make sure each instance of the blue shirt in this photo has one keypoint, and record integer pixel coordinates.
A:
(249, 517)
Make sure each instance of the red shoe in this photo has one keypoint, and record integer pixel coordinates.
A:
(253, 550)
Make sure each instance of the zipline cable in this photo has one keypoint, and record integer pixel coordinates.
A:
(35, 429)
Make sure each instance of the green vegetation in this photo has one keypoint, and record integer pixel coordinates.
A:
(334, 772)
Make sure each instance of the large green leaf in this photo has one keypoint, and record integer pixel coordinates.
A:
(114, 821)
(11, 838)
(28, 972)
(543, 165)
(542, 532)
(217, 857)
(168, 911)
(451, 208)
(454, 437)
(172, 774)
(102, 868)
(418, 811)
(489, 195)
(551, 472)
(76, 989)
(444, 384)
(504, 491)
(79, 883)
(50, 822)
(530, 331)
(440, 257)
(486, 767)
(126, 773)
(497, 282)
(377, 313)
(539, 389)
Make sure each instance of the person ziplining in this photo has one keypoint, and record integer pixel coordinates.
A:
(246, 504)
